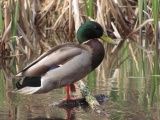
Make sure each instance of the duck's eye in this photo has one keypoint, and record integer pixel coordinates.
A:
(95, 27)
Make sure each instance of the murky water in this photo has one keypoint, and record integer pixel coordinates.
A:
(128, 101)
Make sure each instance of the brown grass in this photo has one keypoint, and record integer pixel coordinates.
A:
(43, 24)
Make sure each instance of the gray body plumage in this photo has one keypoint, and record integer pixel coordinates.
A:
(75, 62)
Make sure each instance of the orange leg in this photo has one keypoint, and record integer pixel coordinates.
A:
(67, 93)
(69, 88)
(72, 88)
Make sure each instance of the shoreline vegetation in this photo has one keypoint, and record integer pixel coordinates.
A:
(33, 26)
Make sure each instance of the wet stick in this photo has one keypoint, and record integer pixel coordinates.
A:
(91, 100)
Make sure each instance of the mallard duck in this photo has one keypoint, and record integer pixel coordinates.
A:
(65, 64)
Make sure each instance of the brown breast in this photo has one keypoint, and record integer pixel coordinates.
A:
(97, 52)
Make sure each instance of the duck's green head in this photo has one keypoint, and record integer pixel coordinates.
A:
(91, 30)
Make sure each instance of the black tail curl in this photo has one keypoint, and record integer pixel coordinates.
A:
(29, 82)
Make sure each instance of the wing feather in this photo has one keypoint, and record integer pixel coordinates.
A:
(53, 57)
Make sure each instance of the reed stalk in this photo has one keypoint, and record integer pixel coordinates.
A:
(155, 79)
(1, 21)
(89, 7)
(15, 12)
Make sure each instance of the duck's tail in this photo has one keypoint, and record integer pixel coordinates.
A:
(29, 85)
(29, 82)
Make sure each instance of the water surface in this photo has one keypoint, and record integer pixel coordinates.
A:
(128, 100)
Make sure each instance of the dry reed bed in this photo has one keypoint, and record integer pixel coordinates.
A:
(29, 25)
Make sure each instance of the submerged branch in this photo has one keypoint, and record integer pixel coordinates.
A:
(91, 100)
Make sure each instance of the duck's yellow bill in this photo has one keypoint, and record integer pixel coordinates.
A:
(107, 39)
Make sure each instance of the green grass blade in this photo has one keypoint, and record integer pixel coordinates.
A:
(91, 81)
(124, 55)
(86, 7)
(1, 89)
(155, 83)
(140, 10)
(155, 4)
(89, 7)
(14, 21)
(156, 78)
(1, 21)
(91, 4)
